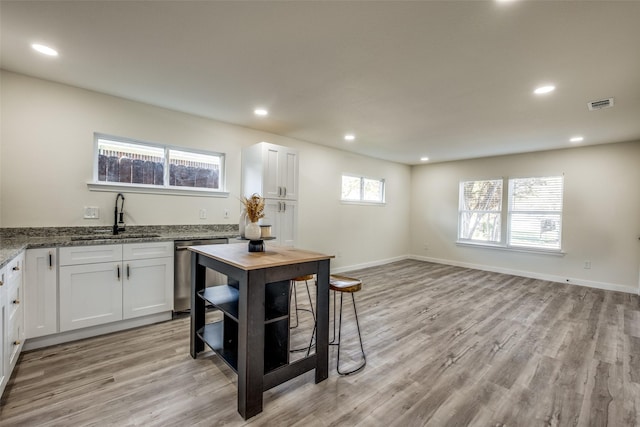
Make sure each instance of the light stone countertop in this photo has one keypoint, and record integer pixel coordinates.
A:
(15, 240)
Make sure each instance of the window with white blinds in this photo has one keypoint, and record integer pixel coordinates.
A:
(535, 212)
(527, 216)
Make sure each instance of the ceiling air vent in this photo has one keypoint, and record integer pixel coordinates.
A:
(600, 104)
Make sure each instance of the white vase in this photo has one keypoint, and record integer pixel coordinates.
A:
(252, 231)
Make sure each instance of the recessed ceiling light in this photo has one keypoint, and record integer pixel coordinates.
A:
(424, 159)
(260, 112)
(544, 89)
(349, 137)
(577, 139)
(45, 50)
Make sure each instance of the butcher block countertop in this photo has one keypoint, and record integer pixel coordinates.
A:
(239, 256)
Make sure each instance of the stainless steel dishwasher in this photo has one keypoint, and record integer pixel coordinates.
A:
(182, 272)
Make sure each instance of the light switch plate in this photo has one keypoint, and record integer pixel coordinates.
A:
(91, 212)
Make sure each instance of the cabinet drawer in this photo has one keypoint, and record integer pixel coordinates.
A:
(147, 250)
(14, 269)
(14, 302)
(90, 254)
(16, 338)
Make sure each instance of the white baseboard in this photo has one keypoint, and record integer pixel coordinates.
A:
(369, 264)
(533, 275)
(62, 337)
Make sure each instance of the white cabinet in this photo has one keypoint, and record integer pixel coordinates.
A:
(271, 171)
(11, 316)
(90, 293)
(102, 284)
(283, 218)
(4, 375)
(41, 292)
(148, 282)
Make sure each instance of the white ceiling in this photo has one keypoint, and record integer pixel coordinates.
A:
(448, 80)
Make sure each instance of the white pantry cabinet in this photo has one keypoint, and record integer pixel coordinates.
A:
(41, 292)
(271, 171)
(283, 218)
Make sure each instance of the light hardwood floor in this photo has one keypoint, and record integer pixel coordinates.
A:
(446, 346)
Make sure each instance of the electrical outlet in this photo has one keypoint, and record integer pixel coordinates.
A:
(91, 212)
(587, 265)
(203, 214)
(226, 213)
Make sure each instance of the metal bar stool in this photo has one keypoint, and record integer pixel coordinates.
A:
(344, 284)
(293, 295)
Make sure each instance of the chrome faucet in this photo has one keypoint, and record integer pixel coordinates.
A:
(118, 221)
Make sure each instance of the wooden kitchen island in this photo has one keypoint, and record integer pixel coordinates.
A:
(253, 337)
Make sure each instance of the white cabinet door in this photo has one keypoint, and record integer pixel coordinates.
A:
(271, 171)
(271, 186)
(289, 174)
(283, 218)
(147, 286)
(4, 335)
(41, 292)
(90, 294)
(14, 311)
(288, 224)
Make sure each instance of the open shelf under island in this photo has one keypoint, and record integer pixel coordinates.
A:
(253, 335)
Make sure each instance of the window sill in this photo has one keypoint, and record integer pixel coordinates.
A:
(552, 252)
(152, 189)
(362, 202)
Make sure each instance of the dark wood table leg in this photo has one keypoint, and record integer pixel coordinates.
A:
(322, 321)
(251, 343)
(198, 277)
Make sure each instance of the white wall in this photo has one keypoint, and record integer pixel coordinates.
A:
(47, 153)
(601, 218)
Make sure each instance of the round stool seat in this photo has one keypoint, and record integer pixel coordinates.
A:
(344, 284)
(303, 278)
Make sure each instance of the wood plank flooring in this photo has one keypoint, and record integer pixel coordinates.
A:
(446, 346)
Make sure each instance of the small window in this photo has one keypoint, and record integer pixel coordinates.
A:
(361, 189)
(131, 163)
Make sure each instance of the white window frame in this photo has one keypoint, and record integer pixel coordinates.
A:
(165, 188)
(361, 200)
(506, 219)
(462, 211)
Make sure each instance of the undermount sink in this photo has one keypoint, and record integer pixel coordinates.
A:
(114, 237)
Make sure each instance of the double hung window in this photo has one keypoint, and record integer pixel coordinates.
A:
(529, 215)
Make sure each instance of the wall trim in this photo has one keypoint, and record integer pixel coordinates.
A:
(369, 264)
(533, 275)
(94, 331)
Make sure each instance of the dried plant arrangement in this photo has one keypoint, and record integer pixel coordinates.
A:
(254, 206)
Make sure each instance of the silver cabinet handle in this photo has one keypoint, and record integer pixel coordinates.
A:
(284, 206)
